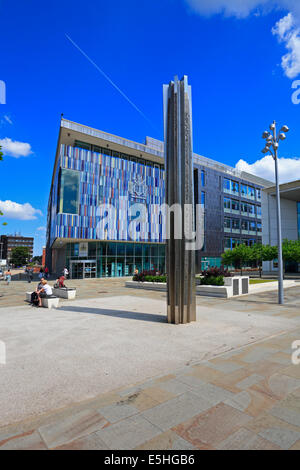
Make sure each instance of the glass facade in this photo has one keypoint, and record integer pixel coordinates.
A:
(114, 259)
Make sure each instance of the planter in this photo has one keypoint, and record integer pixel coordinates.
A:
(238, 285)
(65, 292)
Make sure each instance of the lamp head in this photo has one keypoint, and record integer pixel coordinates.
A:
(265, 135)
(282, 136)
(284, 129)
(272, 126)
(265, 150)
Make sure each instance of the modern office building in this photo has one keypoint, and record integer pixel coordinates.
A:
(8, 242)
(290, 219)
(95, 226)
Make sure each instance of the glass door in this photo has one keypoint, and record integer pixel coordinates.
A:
(89, 270)
(77, 270)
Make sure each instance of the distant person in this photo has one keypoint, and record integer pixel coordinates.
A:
(66, 273)
(136, 271)
(44, 292)
(46, 272)
(8, 277)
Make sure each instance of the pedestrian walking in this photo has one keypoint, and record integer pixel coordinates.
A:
(8, 277)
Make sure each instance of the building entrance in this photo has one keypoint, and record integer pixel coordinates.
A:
(83, 269)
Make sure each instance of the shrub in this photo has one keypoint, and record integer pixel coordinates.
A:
(216, 272)
(153, 273)
(212, 281)
(155, 278)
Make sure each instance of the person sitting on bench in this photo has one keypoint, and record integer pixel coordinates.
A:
(34, 295)
(60, 282)
(45, 292)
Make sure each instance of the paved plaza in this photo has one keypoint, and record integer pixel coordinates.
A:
(107, 372)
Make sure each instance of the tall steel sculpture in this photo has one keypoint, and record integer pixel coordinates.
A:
(179, 191)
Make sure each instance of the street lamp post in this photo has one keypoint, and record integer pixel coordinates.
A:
(272, 142)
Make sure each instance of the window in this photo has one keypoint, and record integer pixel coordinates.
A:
(226, 184)
(258, 194)
(227, 243)
(202, 178)
(69, 191)
(259, 227)
(251, 192)
(82, 145)
(203, 198)
(105, 151)
(235, 187)
(244, 190)
(251, 209)
(252, 226)
(235, 224)
(227, 203)
(227, 223)
(235, 242)
(245, 224)
(235, 205)
(258, 211)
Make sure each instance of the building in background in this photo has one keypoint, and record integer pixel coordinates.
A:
(8, 242)
(290, 218)
(93, 168)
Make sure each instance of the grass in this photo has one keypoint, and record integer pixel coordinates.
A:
(261, 281)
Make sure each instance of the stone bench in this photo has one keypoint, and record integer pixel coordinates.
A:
(50, 302)
(65, 292)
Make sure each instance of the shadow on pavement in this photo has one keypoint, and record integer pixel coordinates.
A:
(150, 317)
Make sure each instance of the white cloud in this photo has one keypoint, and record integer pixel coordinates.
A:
(41, 229)
(287, 30)
(14, 210)
(289, 168)
(15, 149)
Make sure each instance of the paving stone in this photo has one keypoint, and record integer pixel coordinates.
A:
(159, 395)
(209, 392)
(175, 387)
(118, 411)
(246, 440)
(166, 441)
(296, 446)
(281, 358)
(90, 442)
(225, 366)
(173, 412)
(26, 441)
(256, 355)
(283, 438)
(286, 414)
(249, 381)
(73, 427)
(129, 433)
(213, 426)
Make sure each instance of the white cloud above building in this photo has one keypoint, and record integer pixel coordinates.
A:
(14, 210)
(13, 148)
(289, 168)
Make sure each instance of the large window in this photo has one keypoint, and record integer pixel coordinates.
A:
(69, 191)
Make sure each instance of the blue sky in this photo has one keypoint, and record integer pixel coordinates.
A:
(232, 58)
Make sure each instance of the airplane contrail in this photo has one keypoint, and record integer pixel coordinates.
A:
(110, 80)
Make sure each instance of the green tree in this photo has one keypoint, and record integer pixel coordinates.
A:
(239, 256)
(262, 253)
(228, 258)
(291, 251)
(20, 255)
